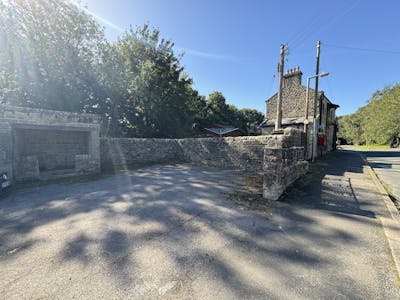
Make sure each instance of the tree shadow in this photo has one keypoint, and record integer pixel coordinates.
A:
(181, 214)
(76, 249)
(327, 187)
(392, 153)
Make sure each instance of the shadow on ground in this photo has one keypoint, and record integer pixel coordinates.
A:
(327, 187)
(171, 231)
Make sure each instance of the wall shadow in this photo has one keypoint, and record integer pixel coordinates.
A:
(326, 187)
(182, 213)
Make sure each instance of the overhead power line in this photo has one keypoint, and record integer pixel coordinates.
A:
(317, 23)
(363, 49)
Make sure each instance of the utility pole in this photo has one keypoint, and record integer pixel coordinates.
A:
(278, 121)
(317, 79)
(307, 100)
(314, 146)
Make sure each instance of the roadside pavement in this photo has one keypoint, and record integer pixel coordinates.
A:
(176, 232)
(343, 184)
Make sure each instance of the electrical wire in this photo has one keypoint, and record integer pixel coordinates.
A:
(303, 33)
(363, 49)
(306, 33)
(271, 84)
(318, 24)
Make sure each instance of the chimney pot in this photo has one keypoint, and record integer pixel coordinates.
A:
(293, 76)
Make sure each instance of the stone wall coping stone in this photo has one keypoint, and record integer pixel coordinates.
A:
(244, 138)
(17, 124)
(6, 110)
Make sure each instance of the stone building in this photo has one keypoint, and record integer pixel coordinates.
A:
(37, 144)
(293, 111)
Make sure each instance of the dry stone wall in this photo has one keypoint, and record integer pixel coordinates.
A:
(278, 158)
(244, 153)
(120, 153)
(40, 144)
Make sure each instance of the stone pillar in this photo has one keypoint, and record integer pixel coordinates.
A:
(6, 149)
(283, 163)
(273, 167)
(93, 159)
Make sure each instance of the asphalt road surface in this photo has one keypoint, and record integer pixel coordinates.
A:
(387, 166)
(171, 232)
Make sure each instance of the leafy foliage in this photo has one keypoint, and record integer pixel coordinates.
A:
(378, 122)
(215, 110)
(154, 95)
(53, 55)
(49, 50)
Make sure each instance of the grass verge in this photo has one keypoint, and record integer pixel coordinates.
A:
(372, 147)
(390, 194)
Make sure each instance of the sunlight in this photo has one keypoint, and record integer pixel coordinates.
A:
(97, 17)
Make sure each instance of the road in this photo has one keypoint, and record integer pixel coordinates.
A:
(386, 164)
(173, 232)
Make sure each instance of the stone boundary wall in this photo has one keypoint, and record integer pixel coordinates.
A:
(278, 158)
(282, 167)
(245, 153)
(5, 149)
(38, 144)
(120, 153)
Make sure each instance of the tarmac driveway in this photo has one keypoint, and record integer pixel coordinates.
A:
(171, 232)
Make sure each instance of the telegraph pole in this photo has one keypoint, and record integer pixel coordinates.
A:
(316, 78)
(278, 121)
(314, 147)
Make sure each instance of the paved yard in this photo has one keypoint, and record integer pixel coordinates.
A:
(171, 232)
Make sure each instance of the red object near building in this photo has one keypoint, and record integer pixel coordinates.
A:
(322, 141)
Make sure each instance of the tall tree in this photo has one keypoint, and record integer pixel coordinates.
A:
(217, 111)
(252, 119)
(49, 50)
(378, 122)
(53, 55)
(158, 94)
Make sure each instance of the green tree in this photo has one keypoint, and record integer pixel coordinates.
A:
(53, 55)
(382, 116)
(49, 49)
(217, 111)
(378, 122)
(252, 119)
(158, 95)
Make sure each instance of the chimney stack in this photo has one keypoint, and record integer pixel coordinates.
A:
(292, 77)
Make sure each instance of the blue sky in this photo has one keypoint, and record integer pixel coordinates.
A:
(233, 46)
